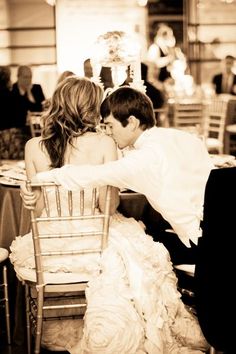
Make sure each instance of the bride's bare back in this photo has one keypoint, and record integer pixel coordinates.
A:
(90, 148)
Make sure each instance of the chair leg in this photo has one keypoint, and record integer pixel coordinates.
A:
(28, 327)
(7, 312)
(214, 351)
(39, 324)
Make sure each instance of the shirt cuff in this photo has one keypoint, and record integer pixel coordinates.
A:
(46, 176)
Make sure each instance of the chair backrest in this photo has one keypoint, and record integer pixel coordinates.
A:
(215, 119)
(188, 115)
(35, 123)
(70, 216)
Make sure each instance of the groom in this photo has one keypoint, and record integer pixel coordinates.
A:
(170, 167)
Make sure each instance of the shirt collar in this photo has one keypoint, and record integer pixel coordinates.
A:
(143, 137)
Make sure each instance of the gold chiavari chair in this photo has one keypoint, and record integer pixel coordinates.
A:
(214, 125)
(4, 291)
(188, 116)
(230, 139)
(44, 291)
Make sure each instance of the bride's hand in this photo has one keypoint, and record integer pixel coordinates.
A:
(29, 198)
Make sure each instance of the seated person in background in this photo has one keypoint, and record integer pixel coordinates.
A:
(61, 77)
(88, 70)
(11, 138)
(105, 74)
(64, 75)
(169, 166)
(6, 112)
(133, 305)
(225, 82)
(28, 96)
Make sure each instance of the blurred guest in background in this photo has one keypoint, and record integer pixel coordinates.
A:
(5, 98)
(225, 82)
(64, 75)
(88, 70)
(11, 140)
(28, 96)
(61, 77)
(157, 97)
(163, 51)
(5, 111)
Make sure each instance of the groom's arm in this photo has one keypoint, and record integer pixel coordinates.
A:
(74, 177)
(120, 173)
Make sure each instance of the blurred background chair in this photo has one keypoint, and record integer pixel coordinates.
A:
(61, 295)
(230, 139)
(188, 116)
(214, 125)
(35, 123)
(4, 299)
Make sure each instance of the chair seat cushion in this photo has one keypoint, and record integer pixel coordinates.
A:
(213, 143)
(3, 254)
(231, 128)
(52, 278)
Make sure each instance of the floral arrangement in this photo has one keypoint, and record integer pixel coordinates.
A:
(115, 48)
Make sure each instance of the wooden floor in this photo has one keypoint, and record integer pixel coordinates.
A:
(20, 349)
(17, 349)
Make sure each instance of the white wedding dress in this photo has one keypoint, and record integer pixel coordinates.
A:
(133, 306)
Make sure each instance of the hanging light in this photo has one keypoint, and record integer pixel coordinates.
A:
(51, 2)
(142, 2)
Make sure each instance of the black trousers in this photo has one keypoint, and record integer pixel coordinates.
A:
(156, 226)
(179, 253)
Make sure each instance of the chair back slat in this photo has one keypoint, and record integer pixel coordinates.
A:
(70, 203)
(58, 201)
(82, 202)
(46, 203)
(34, 119)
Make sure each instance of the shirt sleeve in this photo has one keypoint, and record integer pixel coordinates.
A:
(120, 173)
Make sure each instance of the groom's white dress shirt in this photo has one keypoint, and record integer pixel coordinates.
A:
(170, 167)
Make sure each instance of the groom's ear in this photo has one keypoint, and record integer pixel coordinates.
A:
(134, 123)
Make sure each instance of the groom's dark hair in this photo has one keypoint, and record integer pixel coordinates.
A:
(125, 102)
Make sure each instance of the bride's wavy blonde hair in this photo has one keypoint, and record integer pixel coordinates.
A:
(74, 110)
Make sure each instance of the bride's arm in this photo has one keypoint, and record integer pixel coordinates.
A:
(110, 154)
(31, 200)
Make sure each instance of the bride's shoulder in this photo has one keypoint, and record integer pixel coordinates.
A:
(34, 141)
(101, 139)
(107, 141)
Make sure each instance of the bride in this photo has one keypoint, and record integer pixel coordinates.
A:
(133, 306)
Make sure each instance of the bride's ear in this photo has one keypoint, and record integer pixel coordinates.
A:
(133, 122)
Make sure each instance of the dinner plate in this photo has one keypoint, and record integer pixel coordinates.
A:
(10, 181)
(223, 160)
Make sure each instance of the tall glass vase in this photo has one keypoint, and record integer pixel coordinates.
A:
(118, 74)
